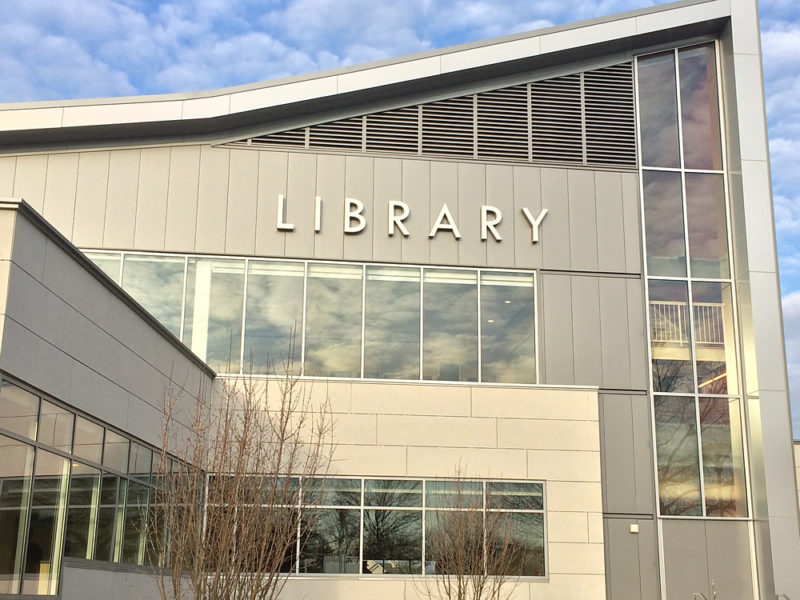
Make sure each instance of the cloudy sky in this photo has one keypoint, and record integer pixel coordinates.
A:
(52, 50)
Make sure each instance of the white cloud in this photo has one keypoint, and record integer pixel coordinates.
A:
(791, 326)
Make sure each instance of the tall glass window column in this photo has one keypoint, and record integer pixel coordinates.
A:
(697, 405)
(333, 319)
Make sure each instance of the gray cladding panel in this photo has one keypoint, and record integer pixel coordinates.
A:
(631, 559)
(626, 451)
(586, 337)
(728, 545)
(8, 164)
(556, 324)
(90, 199)
(685, 558)
(217, 200)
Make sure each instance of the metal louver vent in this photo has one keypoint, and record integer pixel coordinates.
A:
(347, 133)
(579, 119)
(556, 127)
(394, 130)
(503, 124)
(448, 127)
(610, 120)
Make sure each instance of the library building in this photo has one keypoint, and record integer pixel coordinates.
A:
(540, 269)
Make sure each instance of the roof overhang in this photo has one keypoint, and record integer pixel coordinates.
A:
(226, 112)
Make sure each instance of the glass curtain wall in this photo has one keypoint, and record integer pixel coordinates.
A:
(68, 487)
(341, 319)
(696, 404)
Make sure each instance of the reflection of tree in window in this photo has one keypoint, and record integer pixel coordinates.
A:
(392, 541)
(677, 452)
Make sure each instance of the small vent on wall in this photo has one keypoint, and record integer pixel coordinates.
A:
(580, 119)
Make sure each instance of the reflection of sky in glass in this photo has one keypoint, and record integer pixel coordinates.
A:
(508, 344)
(88, 440)
(391, 335)
(274, 317)
(723, 458)
(108, 263)
(333, 321)
(156, 282)
(699, 109)
(658, 108)
(55, 427)
(678, 462)
(450, 328)
(213, 320)
(708, 233)
(663, 221)
(713, 338)
(669, 327)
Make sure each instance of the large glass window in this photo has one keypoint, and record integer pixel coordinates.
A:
(333, 320)
(678, 456)
(156, 282)
(658, 110)
(109, 263)
(723, 457)
(699, 108)
(212, 325)
(273, 317)
(663, 222)
(706, 224)
(508, 340)
(55, 427)
(84, 497)
(19, 410)
(714, 339)
(46, 527)
(88, 440)
(391, 329)
(669, 335)
(450, 325)
(16, 470)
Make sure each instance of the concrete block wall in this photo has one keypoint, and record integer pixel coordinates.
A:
(433, 430)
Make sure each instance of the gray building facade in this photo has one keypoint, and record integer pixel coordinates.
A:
(549, 258)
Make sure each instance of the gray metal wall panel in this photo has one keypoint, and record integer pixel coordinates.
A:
(586, 338)
(444, 189)
(728, 544)
(240, 224)
(184, 176)
(90, 199)
(500, 194)
(273, 168)
(151, 203)
(632, 222)
(29, 178)
(685, 558)
(555, 197)
(471, 195)
(212, 200)
(609, 215)
(330, 187)
(359, 181)
(123, 187)
(643, 454)
(528, 194)
(300, 192)
(637, 340)
(59, 191)
(417, 194)
(631, 559)
(556, 324)
(615, 337)
(582, 220)
(8, 165)
(388, 183)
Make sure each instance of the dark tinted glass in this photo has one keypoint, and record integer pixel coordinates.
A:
(658, 110)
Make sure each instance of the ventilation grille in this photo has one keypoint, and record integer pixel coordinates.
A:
(580, 119)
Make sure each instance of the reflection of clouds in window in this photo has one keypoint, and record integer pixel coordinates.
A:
(658, 108)
(213, 320)
(156, 282)
(274, 316)
(678, 462)
(450, 328)
(708, 234)
(699, 108)
(508, 344)
(108, 263)
(333, 321)
(663, 216)
(391, 344)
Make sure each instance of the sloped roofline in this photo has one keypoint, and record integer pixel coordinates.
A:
(229, 106)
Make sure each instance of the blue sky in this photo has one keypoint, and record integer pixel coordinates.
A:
(56, 49)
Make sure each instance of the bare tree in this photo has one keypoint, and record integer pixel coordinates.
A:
(224, 524)
(471, 553)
